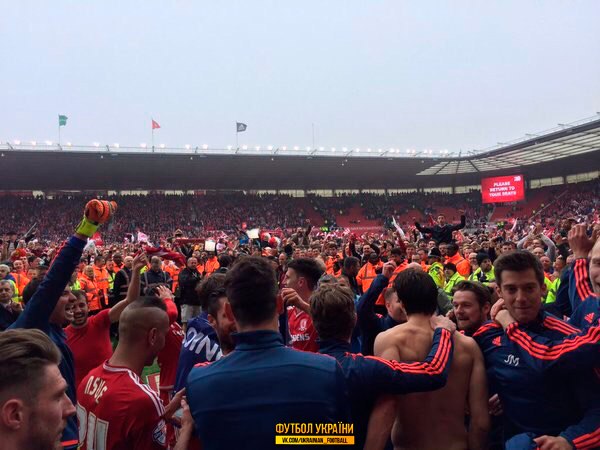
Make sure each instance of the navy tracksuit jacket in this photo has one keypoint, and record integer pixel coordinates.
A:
(369, 323)
(238, 400)
(544, 373)
(38, 311)
(584, 302)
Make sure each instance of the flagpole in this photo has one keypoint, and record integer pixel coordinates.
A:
(59, 132)
(152, 135)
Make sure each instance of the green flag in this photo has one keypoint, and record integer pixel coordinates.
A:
(62, 120)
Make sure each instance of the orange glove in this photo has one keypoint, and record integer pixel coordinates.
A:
(99, 211)
(95, 213)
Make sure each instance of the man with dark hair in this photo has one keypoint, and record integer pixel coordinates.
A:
(471, 306)
(34, 405)
(485, 273)
(369, 271)
(442, 232)
(349, 271)
(334, 316)
(370, 323)
(516, 362)
(224, 263)
(88, 337)
(201, 343)
(453, 256)
(436, 269)
(299, 283)
(114, 407)
(452, 278)
(188, 297)
(466, 382)
(250, 381)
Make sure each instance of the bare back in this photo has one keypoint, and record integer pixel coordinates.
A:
(433, 420)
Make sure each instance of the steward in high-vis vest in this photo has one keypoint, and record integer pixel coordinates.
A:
(452, 279)
(436, 269)
(368, 272)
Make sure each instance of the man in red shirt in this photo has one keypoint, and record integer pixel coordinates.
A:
(168, 358)
(116, 411)
(299, 283)
(88, 337)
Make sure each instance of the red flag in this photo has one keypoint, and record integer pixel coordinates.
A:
(97, 238)
(166, 254)
(155, 124)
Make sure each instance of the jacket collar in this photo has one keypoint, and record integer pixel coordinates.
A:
(334, 346)
(255, 340)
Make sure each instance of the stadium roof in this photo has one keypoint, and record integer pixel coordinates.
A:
(45, 166)
(562, 142)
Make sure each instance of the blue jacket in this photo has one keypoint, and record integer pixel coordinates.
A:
(584, 302)
(368, 377)
(540, 392)
(238, 400)
(38, 310)
(370, 323)
(200, 345)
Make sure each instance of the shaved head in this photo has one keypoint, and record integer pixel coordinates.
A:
(140, 317)
(414, 265)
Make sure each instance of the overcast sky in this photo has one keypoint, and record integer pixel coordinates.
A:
(404, 74)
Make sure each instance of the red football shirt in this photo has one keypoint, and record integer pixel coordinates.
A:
(90, 344)
(116, 411)
(168, 358)
(302, 332)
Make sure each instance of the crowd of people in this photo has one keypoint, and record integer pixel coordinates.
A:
(422, 335)
(157, 215)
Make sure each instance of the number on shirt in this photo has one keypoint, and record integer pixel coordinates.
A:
(92, 428)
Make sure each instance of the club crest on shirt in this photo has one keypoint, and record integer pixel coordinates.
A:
(303, 325)
(159, 435)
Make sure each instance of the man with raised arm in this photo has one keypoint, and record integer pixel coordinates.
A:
(46, 310)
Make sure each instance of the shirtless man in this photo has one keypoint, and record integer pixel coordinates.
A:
(433, 420)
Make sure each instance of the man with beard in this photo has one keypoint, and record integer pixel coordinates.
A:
(34, 405)
(471, 304)
(88, 336)
(206, 337)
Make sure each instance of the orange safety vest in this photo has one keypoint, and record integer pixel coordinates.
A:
(101, 277)
(400, 268)
(462, 265)
(212, 265)
(91, 292)
(20, 281)
(331, 260)
(173, 271)
(367, 274)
